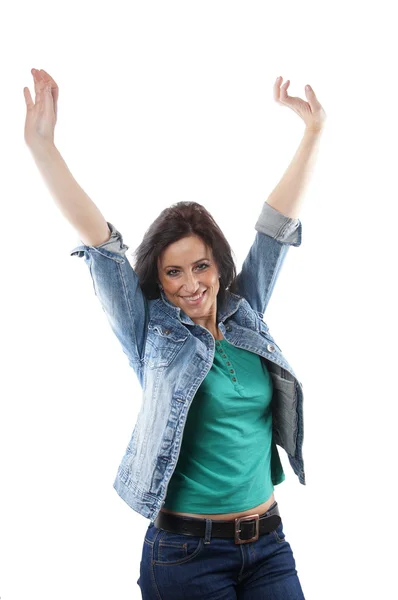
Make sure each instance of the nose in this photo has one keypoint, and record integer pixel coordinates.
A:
(191, 284)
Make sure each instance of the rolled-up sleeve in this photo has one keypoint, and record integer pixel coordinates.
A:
(117, 287)
(284, 229)
(264, 261)
(114, 244)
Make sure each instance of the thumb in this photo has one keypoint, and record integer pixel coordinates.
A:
(28, 98)
(309, 91)
(312, 99)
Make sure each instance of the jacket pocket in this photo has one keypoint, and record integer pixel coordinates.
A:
(163, 345)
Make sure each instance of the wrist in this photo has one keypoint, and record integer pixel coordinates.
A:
(313, 130)
(42, 150)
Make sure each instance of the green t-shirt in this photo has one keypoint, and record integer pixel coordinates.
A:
(228, 460)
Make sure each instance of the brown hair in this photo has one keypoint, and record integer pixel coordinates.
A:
(175, 222)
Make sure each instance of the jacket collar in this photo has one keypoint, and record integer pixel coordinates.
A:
(231, 305)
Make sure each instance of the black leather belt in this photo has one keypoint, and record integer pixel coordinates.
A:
(243, 529)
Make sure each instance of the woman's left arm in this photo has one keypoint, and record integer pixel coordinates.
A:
(278, 226)
(288, 195)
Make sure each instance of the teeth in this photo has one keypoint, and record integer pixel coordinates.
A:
(194, 297)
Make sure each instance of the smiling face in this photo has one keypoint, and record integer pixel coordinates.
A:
(189, 276)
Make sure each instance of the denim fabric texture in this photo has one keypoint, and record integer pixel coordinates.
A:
(183, 567)
(171, 355)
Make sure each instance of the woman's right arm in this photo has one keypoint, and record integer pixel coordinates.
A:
(76, 206)
(115, 282)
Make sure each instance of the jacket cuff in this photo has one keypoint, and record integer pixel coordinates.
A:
(114, 244)
(278, 226)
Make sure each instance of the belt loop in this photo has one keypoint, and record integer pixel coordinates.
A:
(208, 531)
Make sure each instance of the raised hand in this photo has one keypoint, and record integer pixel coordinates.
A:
(41, 115)
(311, 112)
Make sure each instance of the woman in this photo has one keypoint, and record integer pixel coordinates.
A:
(218, 394)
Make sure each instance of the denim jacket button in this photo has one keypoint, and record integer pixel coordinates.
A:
(270, 348)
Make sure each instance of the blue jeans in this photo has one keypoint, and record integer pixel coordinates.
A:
(183, 567)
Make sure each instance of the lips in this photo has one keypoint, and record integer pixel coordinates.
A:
(194, 299)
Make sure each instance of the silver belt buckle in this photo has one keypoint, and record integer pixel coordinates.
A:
(238, 521)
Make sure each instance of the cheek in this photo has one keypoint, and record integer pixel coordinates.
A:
(215, 281)
(171, 287)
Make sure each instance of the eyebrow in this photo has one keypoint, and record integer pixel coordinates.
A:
(178, 267)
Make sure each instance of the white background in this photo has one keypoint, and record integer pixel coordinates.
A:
(168, 101)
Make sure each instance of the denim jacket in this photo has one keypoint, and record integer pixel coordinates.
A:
(171, 355)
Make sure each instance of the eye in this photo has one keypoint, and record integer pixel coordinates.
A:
(200, 267)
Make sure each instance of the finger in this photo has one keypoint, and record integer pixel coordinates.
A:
(40, 83)
(54, 87)
(280, 93)
(28, 98)
(277, 90)
(49, 78)
(36, 81)
(42, 87)
(284, 93)
(43, 95)
(47, 99)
